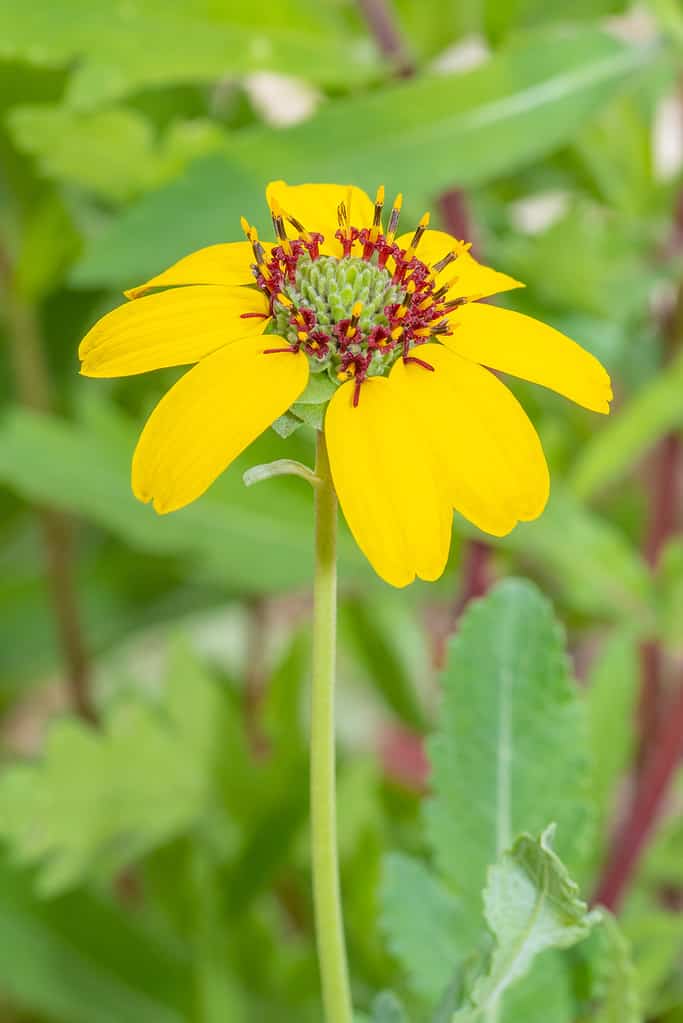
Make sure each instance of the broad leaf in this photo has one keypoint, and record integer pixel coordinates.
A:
(523, 103)
(510, 750)
(203, 42)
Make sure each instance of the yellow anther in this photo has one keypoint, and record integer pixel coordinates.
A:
(283, 300)
(264, 271)
(410, 288)
(244, 224)
(377, 218)
(357, 310)
(302, 335)
(275, 207)
(424, 220)
(347, 374)
(396, 333)
(423, 332)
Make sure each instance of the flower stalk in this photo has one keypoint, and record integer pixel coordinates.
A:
(326, 888)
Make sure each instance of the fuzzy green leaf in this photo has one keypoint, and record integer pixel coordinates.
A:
(510, 750)
(531, 905)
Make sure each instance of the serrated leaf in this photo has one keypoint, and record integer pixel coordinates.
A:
(652, 412)
(199, 42)
(96, 800)
(510, 750)
(529, 99)
(422, 923)
(531, 905)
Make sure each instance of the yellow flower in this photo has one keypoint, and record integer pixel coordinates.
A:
(392, 326)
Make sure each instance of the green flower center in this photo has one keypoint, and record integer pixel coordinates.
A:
(331, 287)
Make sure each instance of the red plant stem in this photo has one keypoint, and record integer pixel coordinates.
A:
(661, 734)
(33, 390)
(657, 775)
(381, 21)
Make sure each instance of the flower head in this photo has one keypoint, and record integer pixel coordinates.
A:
(416, 423)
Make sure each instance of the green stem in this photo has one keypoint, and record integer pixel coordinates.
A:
(326, 892)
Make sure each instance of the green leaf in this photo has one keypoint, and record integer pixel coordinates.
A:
(612, 993)
(78, 958)
(105, 797)
(125, 157)
(669, 584)
(521, 104)
(531, 905)
(510, 750)
(199, 42)
(654, 411)
(611, 697)
(387, 1009)
(246, 538)
(588, 562)
(422, 923)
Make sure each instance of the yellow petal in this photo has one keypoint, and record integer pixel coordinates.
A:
(470, 278)
(386, 484)
(315, 206)
(229, 263)
(527, 348)
(172, 328)
(489, 454)
(210, 416)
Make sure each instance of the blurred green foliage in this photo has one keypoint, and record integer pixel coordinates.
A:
(156, 867)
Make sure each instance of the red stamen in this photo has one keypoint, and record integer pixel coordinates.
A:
(253, 316)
